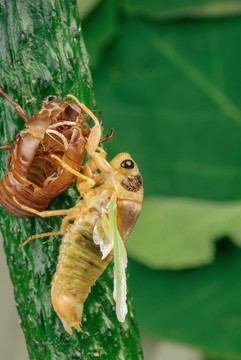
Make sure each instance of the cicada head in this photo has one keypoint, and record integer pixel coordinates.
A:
(129, 186)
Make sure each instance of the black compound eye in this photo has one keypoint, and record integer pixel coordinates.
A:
(127, 164)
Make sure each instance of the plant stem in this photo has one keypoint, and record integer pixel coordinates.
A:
(42, 53)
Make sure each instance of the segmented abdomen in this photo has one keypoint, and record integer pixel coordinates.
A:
(10, 187)
(79, 266)
(34, 177)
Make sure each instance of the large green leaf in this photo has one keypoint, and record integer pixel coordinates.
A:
(172, 92)
(174, 104)
(85, 7)
(200, 307)
(166, 10)
(100, 28)
(178, 233)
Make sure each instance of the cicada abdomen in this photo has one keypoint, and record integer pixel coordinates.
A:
(34, 178)
(80, 264)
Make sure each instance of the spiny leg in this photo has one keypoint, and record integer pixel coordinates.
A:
(55, 233)
(101, 119)
(83, 107)
(43, 214)
(94, 138)
(17, 107)
(107, 137)
(96, 132)
(6, 147)
(65, 223)
(98, 160)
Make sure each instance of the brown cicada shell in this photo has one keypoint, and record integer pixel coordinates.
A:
(60, 129)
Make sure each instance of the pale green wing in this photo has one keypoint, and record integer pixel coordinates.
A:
(120, 263)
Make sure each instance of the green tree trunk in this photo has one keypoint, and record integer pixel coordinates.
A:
(42, 53)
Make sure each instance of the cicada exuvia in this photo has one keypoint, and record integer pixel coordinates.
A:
(59, 128)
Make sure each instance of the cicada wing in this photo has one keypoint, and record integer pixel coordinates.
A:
(103, 235)
(107, 236)
(120, 264)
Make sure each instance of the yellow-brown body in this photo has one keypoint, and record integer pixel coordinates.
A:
(81, 261)
(80, 264)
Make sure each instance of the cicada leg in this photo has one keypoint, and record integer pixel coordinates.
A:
(65, 223)
(6, 147)
(17, 107)
(43, 214)
(83, 107)
(94, 139)
(89, 183)
(41, 236)
(107, 137)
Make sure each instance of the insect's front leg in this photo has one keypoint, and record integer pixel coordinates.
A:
(17, 107)
(43, 214)
(97, 154)
(86, 184)
(97, 162)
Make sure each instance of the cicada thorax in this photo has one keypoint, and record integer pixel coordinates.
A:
(34, 178)
(80, 264)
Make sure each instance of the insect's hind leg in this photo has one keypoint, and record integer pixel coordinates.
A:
(17, 107)
(54, 233)
(65, 223)
(6, 147)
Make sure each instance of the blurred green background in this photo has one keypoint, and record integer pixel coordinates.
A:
(167, 78)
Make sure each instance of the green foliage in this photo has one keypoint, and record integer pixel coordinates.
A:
(101, 28)
(176, 233)
(200, 307)
(43, 53)
(168, 81)
(169, 10)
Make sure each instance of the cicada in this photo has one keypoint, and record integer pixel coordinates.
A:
(110, 203)
(59, 128)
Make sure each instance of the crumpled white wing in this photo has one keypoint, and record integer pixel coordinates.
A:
(103, 234)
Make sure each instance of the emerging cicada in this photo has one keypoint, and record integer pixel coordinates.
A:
(103, 218)
(34, 178)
